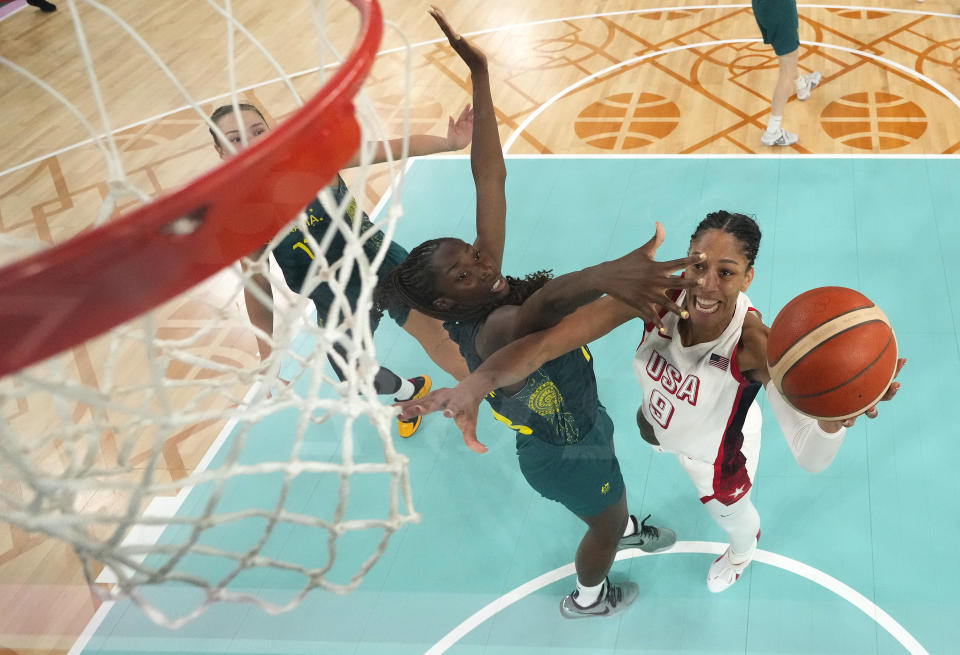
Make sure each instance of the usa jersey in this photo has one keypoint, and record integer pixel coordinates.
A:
(695, 397)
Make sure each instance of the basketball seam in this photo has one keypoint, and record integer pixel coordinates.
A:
(813, 293)
(871, 404)
(794, 353)
(848, 380)
(800, 338)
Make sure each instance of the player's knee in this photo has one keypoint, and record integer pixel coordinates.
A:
(608, 526)
(606, 537)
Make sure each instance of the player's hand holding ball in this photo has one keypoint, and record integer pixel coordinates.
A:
(833, 356)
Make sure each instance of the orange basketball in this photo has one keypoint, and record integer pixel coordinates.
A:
(831, 353)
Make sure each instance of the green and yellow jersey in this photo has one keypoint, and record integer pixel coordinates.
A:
(557, 404)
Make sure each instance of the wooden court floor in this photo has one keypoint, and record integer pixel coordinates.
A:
(570, 77)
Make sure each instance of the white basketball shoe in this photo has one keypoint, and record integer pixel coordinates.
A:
(724, 571)
(806, 84)
(779, 137)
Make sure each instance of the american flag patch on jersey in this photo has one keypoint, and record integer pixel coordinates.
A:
(720, 362)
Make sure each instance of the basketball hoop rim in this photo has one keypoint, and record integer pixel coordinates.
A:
(62, 296)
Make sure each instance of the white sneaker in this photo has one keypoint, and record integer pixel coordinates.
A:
(809, 81)
(778, 138)
(724, 573)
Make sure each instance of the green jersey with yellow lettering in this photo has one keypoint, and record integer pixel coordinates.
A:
(558, 404)
(294, 253)
(564, 435)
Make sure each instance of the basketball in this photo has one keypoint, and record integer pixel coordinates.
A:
(831, 353)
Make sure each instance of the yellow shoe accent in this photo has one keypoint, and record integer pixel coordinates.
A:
(408, 427)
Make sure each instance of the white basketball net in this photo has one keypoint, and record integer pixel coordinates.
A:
(84, 449)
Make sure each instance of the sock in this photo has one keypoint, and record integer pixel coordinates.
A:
(740, 521)
(631, 528)
(587, 596)
(406, 391)
(385, 382)
(774, 124)
(800, 82)
(736, 558)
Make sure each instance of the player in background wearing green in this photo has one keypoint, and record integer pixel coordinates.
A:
(294, 256)
(779, 25)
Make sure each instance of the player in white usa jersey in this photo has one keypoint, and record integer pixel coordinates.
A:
(699, 376)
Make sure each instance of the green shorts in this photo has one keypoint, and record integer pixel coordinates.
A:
(778, 23)
(322, 296)
(583, 477)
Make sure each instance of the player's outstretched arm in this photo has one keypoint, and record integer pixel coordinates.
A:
(636, 279)
(515, 362)
(459, 133)
(813, 443)
(486, 155)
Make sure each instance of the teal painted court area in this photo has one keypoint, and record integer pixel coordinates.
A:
(879, 527)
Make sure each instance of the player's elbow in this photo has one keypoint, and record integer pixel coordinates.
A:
(544, 350)
(814, 464)
(814, 468)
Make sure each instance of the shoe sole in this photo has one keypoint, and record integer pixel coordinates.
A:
(403, 424)
(717, 591)
(775, 144)
(725, 587)
(424, 390)
(632, 591)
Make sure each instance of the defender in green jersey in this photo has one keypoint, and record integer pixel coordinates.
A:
(564, 437)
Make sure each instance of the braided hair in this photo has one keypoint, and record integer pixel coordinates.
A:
(743, 228)
(413, 284)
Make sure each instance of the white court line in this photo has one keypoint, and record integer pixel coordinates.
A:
(828, 582)
(543, 107)
(491, 30)
(91, 628)
(162, 507)
(600, 155)
(11, 12)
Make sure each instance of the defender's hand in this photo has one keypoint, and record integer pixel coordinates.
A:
(471, 55)
(636, 279)
(457, 403)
